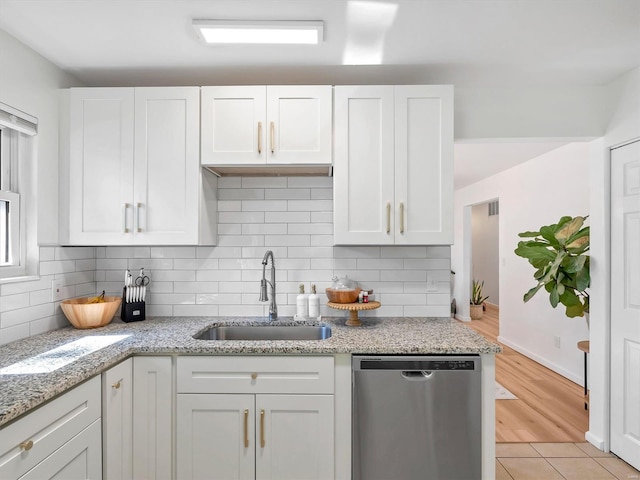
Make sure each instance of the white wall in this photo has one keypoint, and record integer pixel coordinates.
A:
(623, 126)
(484, 251)
(30, 83)
(293, 216)
(531, 194)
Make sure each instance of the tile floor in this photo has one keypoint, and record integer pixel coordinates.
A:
(559, 461)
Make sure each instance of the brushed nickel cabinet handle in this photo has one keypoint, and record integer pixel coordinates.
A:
(138, 208)
(401, 217)
(246, 428)
(124, 217)
(259, 137)
(388, 217)
(272, 131)
(262, 442)
(26, 446)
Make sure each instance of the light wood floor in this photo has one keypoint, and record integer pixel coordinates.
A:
(549, 408)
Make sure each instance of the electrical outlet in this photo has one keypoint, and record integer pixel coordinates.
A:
(56, 290)
(556, 342)
(432, 287)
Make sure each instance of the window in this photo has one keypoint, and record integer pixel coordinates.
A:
(16, 130)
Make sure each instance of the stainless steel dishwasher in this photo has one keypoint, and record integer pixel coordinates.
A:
(416, 417)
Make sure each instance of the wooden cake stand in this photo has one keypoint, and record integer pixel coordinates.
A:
(354, 308)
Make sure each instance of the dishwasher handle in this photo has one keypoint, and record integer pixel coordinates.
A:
(416, 376)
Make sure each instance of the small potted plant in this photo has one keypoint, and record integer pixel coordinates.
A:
(477, 300)
(558, 252)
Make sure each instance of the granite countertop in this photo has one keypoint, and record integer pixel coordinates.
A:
(22, 389)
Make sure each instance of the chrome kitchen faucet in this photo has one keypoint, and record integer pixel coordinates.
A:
(273, 308)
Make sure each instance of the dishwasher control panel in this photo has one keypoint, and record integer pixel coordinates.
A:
(431, 364)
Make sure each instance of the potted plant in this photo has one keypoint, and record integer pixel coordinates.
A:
(558, 252)
(477, 300)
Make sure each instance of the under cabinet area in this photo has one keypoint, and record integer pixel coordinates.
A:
(130, 171)
(393, 165)
(255, 417)
(266, 125)
(61, 439)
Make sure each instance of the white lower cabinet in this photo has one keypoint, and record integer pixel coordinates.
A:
(61, 439)
(117, 416)
(237, 425)
(152, 418)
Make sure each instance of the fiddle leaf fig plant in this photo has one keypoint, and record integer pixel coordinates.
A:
(558, 252)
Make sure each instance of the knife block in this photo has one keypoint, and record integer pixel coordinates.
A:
(131, 311)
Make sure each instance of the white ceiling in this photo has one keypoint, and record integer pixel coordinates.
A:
(461, 42)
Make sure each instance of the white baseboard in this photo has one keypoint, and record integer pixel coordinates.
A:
(542, 361)
(595, 441)
(463, 318)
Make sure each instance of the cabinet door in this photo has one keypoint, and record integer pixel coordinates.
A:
(233, 130)
(424, 164)
(117, 432)
(363, 165)
(167, 169)
(299, 124)
(294, 437)
(100, 166)
(78, 459)
(215, 437)
(152, 418)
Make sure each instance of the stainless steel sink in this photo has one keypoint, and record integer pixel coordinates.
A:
(265, 332)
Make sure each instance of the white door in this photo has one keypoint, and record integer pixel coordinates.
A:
(294, 437)
(363, 166)
(424, 164)
(152, 418)
(299, 124)
(625, 303)
(233, 125)
(100, 166)
(117, 431)
(215, 437)
(167, 167)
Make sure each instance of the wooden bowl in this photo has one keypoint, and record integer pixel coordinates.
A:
(343, 296)
(90, 315)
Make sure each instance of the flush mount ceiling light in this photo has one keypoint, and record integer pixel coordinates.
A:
(257, 31)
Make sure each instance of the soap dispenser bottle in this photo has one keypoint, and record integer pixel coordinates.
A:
(314, 303)
(302, 303)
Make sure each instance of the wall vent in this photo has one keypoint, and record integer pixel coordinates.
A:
(494, 208)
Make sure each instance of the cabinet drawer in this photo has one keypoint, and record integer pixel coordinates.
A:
(48, 427)
(255, 374)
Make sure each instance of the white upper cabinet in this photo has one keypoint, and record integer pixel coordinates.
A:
(131, 175)
(272, 125)
(393, 166)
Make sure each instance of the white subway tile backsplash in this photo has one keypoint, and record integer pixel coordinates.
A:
(14, 302)
(263, 229)
(310, 182)
(241, 217)
(264, 182)
(196, 311)
(288, 194)
(128, 252)
(47, 324)
(229, 182)
(309, 205)
(173, 252)
(292, 216)
(229, 206)
(57, 266)
(13, 333)
(287, 217)
(264, 206)
(241, 194)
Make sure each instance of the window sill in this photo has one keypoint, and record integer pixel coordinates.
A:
(23, 278)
